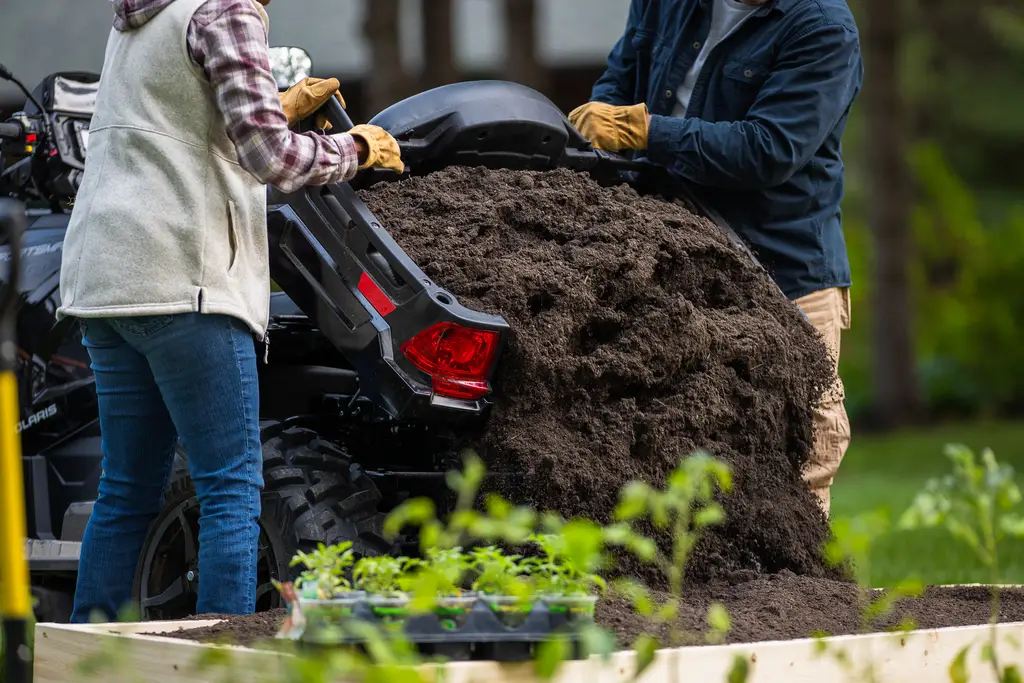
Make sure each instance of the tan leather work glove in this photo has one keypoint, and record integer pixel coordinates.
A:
(308, 95)
(382, 149)
(612, 128)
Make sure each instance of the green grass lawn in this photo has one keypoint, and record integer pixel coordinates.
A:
(886, 471)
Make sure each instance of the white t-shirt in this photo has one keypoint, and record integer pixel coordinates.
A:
(726, 17)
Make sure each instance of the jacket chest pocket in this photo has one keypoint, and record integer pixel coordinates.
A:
(741, 84)
(643, 46)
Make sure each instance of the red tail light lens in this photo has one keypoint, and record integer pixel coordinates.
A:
(458, 359)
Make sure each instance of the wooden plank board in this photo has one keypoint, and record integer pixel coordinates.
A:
(155, 627)
(917, 657)
(112, 652)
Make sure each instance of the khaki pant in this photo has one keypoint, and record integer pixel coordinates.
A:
(829, 312)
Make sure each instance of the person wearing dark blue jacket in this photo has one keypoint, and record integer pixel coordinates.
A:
(747, 101)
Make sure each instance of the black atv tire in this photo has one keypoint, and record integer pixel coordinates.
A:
(313, 493)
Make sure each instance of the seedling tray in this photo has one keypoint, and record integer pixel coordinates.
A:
(460, 635)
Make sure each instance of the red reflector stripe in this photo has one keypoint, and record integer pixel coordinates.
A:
(375, 295)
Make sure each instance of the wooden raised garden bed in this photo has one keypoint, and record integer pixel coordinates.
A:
(921, 656)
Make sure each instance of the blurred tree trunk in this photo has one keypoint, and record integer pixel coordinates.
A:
(388, 82)
(897, 398)
(522, 63)
(438, 44)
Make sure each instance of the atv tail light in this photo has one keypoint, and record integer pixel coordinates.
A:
(457, 358)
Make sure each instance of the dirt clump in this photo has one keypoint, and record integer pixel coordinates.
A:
(640, 334)
(233, 629)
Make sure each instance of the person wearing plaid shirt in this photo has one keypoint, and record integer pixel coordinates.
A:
(166, 269)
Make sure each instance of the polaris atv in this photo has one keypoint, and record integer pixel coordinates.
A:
(369, 371)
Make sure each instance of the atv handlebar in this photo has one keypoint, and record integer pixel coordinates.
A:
(337, 115)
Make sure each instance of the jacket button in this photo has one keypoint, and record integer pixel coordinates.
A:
(748, 73)
(668, 94)
(696, 45)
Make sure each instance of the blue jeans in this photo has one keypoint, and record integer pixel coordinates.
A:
(159, 378)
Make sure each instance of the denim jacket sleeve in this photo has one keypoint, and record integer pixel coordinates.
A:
(618, 83)
(808, 91)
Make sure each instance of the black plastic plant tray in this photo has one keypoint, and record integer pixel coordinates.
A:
(480, 636)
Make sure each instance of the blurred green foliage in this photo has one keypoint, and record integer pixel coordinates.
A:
(963, 85)
(968, 294)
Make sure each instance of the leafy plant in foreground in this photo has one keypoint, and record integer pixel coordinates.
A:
(852, 541)
(441, 541)
(978, 503)
(851, 547)
(500, 520)
(685, 508)
(381, 660)
(502, 523)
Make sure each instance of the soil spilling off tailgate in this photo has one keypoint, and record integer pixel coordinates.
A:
(640, 334)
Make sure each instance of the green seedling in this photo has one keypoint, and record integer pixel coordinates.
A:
(326, 567)
(497, 573)
(978, 503)
(449, 566)
(383, 575)
(439, 576)
(570, 561)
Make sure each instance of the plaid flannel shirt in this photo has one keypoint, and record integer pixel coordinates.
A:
(228, 41)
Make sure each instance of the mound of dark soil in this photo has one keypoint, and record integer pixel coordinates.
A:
(639, 335)
(778, 607)
(785, 607)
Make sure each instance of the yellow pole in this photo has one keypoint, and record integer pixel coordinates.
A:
(15, 600)
(14, 589)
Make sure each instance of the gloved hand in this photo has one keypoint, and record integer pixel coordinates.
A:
(382, 149)
(308, 95)
(612, 128)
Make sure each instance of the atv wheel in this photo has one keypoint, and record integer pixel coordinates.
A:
(313, 494)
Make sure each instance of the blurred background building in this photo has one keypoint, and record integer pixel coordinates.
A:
(400, 47)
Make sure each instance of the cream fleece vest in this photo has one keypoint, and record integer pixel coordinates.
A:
(165, 221)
